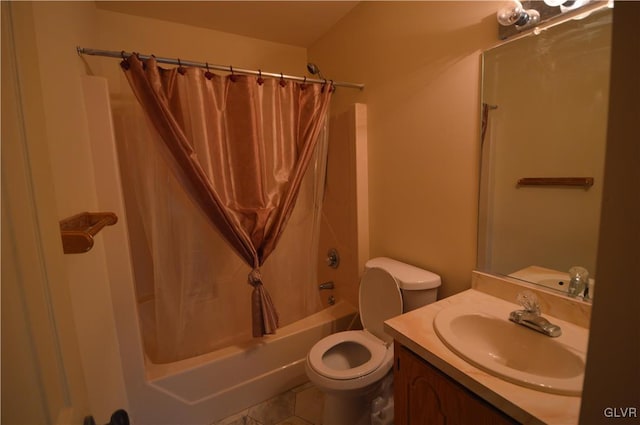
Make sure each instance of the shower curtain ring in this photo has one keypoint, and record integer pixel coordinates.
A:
(181, 70)
(208, 75)
(282, 82)
(260, 80)
(125, 63)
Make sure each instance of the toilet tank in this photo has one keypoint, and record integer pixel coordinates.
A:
(419, 287)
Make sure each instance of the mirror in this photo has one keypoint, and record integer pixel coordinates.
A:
(545, 100)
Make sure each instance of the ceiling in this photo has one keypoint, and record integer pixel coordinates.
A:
(297, 23)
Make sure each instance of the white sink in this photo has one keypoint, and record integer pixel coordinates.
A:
(483, 335)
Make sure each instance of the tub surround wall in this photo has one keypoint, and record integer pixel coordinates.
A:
(345, 214)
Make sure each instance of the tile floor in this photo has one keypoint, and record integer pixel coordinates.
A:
(299, 406)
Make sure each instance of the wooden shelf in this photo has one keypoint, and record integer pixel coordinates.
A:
(585, 182)
(78, 231)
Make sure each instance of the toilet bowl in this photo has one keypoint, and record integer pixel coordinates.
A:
(350, 367)
(350, 361)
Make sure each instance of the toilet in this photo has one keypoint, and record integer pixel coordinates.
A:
(353, 368)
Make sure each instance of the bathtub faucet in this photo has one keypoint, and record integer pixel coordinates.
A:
(326, 285)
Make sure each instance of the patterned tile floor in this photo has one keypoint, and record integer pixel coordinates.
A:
(300, 406)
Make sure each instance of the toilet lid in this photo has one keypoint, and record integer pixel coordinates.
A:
(347, 355)
(380, 299)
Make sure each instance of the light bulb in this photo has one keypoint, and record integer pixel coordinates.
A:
(554, 3)
(532, 18)
(573, 5)
(510, 13)
(513, 13)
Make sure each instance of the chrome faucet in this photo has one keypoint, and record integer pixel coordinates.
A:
(530, 316)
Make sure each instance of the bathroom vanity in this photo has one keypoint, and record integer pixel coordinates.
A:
(425, 395)
(435, 384)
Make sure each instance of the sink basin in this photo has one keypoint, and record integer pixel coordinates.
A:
(483, 336)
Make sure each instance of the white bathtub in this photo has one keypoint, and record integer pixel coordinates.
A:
(234, 378)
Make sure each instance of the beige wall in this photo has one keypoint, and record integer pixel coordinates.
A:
(117, 31)
(420, 62)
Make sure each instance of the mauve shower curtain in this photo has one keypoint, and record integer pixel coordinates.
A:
(241, 146)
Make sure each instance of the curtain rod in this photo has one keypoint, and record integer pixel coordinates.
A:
(123, 54)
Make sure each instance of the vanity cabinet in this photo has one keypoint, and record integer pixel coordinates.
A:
(424, 395)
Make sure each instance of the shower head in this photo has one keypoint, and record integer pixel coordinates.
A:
(314, 70)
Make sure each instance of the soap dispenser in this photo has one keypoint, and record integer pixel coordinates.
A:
(579, 281)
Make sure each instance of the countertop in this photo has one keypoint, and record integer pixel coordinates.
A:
(415, 331)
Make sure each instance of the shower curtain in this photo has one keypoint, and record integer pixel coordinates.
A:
(231, 158)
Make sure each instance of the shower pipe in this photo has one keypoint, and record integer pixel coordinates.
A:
(208, 66)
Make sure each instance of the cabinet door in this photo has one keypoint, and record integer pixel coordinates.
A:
(424, 395)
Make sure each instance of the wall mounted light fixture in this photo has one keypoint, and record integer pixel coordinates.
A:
(519, 16)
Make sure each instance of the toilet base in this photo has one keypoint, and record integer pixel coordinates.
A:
(355, 407)
(341, 410)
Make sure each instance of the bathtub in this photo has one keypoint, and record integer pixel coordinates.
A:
(232, 379)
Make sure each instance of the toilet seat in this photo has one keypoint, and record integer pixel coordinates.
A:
(368, 349)
(375, 348)
(380, 299)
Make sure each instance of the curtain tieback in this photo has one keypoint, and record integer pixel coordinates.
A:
(264, 315)
(255, 277)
